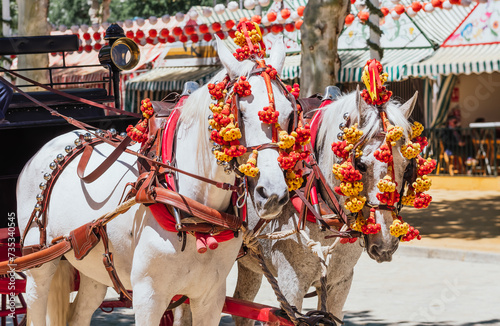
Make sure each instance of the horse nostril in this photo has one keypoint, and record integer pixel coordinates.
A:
(261, 191)
(283, 200)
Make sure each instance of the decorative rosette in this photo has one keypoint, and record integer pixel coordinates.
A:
(374, 78)
(249, 39)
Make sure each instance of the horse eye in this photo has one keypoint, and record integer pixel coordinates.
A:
(361, 166)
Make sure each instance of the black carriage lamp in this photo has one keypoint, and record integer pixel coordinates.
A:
(121, 53)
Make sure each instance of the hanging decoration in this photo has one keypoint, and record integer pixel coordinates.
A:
(350, 179)
(224, 128)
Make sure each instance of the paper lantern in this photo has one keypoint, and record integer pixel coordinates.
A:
(285, 13)
(384, 11)
(271, 16)
(88, 48)
(295, 16)
(265, 21)
(221, 35)
(230, 24)
(400, 9)
(203, 28)
(256, 19)
(164, 32)
(162, 40)
(170, 39)
(177, 31)
(437, 3)
(298, 24)
(219, 9)
(453, 2)
(193, 14)
(232, 6)
(290, 27)
(207, 37)
(153, 33)
(165, 19)
(300, 10)
(179, 17)
(264, 3)
(140, 22)
(195, 38)
(139, 34)
(395, 15)
(74, 29)
(275, 29)
(428, 7)
(410, 12)
(129, 34)
(363, 16)
(183, 38)
(216, 26)
(349, 19)
(249, 4)
(189, 30)
(86, 36)
(149, 40)
(62, 28)
(232, 33)
(153, 20)
(447, 5)
(84, 28)
(416, 6)
(207, 12)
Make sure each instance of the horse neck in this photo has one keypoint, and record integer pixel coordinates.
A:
(193, 156)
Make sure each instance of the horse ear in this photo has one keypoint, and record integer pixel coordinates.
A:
(227, 59)
(408, 107)
(277, 56)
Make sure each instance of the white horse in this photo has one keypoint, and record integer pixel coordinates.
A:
(149, 259)
(296, 267)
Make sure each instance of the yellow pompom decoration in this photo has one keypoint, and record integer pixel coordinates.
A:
(416, 130)
(222, 157)
(286, 140)
(386, 184)
(216, 108)
(351, 188)
(422, 184)
(294, 181)
(410, 150)
(355, 203)
(399, 228)
(230, 132)
(394, 133)
(250, 168)
(352, 134)
(359, 223)
(214, 124)
(409, 198)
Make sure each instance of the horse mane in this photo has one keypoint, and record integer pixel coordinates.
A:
(196, 108)
(333, 116)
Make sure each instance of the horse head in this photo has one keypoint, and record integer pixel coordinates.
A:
(376, 209)
(267, 186)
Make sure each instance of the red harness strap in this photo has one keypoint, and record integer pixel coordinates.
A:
(160, 212)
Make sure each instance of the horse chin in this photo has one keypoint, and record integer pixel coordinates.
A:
(268, 212)
(381, 251)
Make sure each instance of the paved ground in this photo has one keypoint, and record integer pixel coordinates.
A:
(460, 287)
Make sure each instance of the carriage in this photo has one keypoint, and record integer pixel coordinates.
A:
(201, 235)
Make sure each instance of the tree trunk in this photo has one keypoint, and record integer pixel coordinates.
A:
(32, 15)
(320, 63)
(99, 11)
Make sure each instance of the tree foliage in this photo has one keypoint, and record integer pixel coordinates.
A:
(69, 12)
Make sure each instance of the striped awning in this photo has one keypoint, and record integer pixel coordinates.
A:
(291, 68)
(396, 63)
(459, 60)
(171, 78)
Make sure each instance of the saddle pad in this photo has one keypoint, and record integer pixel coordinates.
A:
(160, 212)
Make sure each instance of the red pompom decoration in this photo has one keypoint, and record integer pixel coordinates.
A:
(399, 9)
(189, 30)
(385, 11)
(290, 27)
(416, 6)
(86, 36)
(183, 38)
(129, 34)
(177, 31)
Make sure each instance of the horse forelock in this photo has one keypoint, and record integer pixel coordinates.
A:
(371, 123)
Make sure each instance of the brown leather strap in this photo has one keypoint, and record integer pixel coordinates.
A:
(194, 208)
(109, 264)
(104, 166)
(311, 208)
(58, 92)
(35, 259)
